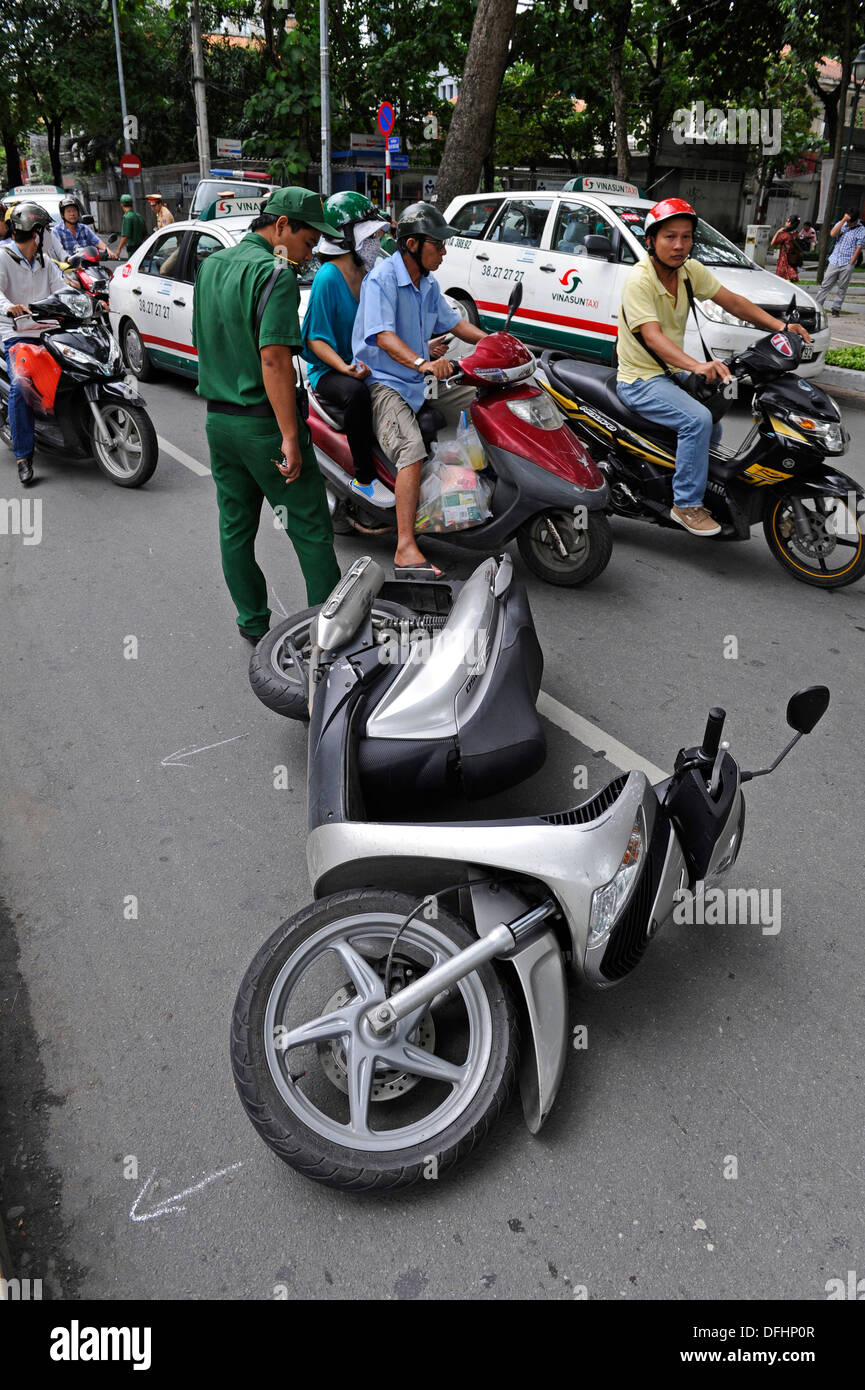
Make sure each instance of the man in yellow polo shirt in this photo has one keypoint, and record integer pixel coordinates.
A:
(655, 307)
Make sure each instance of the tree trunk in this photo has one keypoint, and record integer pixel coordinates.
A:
(829, 218)
(620, 18)
(13, 157)
(471, 130)
(54, 130)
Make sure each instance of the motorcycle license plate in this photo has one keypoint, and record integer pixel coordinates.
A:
(807, 352)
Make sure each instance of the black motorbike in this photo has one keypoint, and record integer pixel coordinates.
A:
(74, 379)
(783, 474)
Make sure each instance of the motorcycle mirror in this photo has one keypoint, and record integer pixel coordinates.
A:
(515, 299)
(807, 707)
(804, 710)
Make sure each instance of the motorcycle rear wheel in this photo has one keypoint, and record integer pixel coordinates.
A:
(589, 548)
(273, 672)
(348, 1111)
(130, 457)
(835, 559)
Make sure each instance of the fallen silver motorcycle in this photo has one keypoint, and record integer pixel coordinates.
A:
(378, 1034)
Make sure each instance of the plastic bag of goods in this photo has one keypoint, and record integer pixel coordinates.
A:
(452, 496)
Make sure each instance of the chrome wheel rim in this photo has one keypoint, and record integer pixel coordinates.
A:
(121, 451)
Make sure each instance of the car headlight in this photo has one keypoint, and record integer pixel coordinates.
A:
(608, 901)
(713, 311)
(829, 434)
(538, 410)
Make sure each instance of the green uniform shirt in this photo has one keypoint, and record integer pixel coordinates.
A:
(228, 289)
(645, 300)
(133, 229)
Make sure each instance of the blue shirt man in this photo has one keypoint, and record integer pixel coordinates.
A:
(401, 308)
(850, 238)
(390, 302)
(70, 233)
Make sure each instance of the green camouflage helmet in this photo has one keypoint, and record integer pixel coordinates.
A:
(422, 219)
(347, 210)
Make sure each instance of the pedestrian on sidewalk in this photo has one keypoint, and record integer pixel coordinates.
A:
(790, 255)
(246, 330)
(850, 234)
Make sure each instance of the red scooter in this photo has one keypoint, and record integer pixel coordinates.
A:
(547, 491)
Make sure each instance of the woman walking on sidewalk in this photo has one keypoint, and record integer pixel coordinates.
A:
(790, 255)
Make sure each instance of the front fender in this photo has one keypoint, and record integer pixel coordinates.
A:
(120, 390)
(540, 973)
(821, 482)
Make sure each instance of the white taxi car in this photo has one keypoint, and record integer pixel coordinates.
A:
(572, 251)
(150, 298)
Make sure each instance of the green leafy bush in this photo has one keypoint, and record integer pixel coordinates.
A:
(847, 357)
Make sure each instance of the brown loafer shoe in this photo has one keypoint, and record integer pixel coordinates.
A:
(697, 520)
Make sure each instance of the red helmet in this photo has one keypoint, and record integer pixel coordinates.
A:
(667, 208)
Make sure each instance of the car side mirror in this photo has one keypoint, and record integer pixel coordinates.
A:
(87, 219)
(807, 707)
(515, 299)
(598, 246)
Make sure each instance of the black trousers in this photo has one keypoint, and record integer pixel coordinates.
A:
(353, 398)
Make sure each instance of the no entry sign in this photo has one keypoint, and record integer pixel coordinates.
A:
(130, 165)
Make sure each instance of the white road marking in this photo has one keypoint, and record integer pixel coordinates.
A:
(277, 600)
(169, 1205)
(171, 759)
(186, 459)
(595, 738)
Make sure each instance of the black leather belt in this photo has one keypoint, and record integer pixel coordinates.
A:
(228, 408)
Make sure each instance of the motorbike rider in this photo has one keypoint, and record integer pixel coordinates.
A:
(401, 308)
(73, 234)
(26, 276)
(347, 254)
(655, 305)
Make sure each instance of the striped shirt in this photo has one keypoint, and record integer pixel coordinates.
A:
(73, 240)
(846, 245)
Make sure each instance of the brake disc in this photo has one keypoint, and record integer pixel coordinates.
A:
(388, 1083)
(819, 543)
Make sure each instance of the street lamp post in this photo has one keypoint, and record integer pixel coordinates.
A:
(126, 145)
(325, 100)
(859, 79)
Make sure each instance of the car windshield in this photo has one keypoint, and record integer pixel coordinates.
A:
(710, 247)
(210, 189)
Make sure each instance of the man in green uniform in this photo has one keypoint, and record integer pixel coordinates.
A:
(133, 230)
(246, 329)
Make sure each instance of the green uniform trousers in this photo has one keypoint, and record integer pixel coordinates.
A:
(242, 450)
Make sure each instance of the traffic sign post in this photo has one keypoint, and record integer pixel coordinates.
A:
(385, 119)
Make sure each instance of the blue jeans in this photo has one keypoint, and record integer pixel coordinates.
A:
(20, 413)
(663, 402)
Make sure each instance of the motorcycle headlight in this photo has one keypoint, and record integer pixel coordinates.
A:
(713, 311)
(608, 901)
(73, 355)
(829, 434)
(538, 410)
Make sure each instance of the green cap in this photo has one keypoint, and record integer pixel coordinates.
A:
(125, 198)
(300, 205)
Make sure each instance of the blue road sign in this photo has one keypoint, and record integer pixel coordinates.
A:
(399, 161)
(385, 118)
(393, 144)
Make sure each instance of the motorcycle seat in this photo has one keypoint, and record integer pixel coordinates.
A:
(596, 385)
(429, 417)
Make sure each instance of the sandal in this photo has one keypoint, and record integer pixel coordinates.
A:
(424, 571)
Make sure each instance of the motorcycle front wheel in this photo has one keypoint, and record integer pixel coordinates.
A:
(333, 1101)
(833, 554)
(130, 453)
(542, 539)
(278, 665)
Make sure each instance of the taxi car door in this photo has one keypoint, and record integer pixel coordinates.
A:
(577, 289)
(163, 304)
(510, 251)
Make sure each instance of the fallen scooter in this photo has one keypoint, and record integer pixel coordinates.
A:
(375, 1036)
(547, 494)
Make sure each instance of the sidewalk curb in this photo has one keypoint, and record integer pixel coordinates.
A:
(841, 379)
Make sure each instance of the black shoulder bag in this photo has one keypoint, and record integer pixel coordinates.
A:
(302, 398)
(708, 393)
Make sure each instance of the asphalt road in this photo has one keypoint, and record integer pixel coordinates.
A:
(727, 1043)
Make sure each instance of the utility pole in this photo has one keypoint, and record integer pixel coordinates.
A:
(325, 100)
(126, 145)
(198, 91)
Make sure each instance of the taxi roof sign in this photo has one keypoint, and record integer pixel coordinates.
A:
(43, 188)
(230, 205)
(593, 183)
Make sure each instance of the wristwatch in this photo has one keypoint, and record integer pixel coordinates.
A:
(418, 363)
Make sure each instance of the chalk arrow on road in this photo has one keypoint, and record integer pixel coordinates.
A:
(171, 1206)
(174, 759)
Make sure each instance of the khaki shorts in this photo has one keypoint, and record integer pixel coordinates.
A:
(395, 423)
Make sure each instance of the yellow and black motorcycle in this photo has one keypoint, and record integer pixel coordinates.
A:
(782, 475)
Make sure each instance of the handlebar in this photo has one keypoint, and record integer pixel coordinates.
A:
(712, 736)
